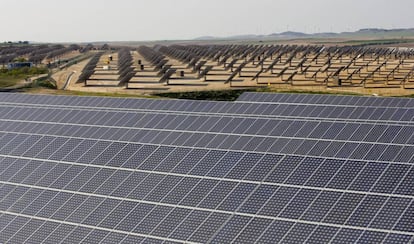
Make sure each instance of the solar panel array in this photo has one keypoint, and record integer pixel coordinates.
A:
(362, 101)
(168, 67)
(266, 169)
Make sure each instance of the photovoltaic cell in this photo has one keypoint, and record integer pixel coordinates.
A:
(289, 168)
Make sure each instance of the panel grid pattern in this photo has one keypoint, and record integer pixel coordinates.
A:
(76, 171)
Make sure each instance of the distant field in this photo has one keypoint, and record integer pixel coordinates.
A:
(13, 77)
(379, 42)
(42, 90)
(219, 72)
(369, 37)
(7, 81)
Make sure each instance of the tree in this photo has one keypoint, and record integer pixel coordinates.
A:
(20, 59)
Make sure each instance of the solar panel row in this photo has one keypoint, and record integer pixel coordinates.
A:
(91, 174)
(360, 101)
(379, 142)
(278, 64)
(389, 131)
(81, 193)
(215, 163)
(297, 111)
(335, 149)
(247, 97)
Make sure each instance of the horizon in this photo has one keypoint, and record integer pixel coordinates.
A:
(139, 20)
(200, 38)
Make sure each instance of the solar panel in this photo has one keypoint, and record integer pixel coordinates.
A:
(297, 111)
(88, 169)
(362, 101)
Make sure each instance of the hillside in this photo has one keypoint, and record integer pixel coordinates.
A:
(370, 33)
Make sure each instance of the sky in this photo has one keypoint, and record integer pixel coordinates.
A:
(142, 20)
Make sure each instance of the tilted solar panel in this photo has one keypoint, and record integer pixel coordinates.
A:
(80, 169)
(404, 114)
(361, 101)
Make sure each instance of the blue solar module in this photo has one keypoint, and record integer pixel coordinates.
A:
(362, 101)
(321, 111)
(112, 170)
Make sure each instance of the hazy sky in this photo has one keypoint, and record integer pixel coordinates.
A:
(134, 20)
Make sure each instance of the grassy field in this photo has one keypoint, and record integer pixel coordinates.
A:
(223, 95)
(42, 90)
(7, 81)
(12, 77)
(379, 42)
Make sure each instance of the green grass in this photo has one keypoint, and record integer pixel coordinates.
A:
(10, 78)
(7, 81)
(318, 92)
(222, 95)
(45, 90)
(405, 96)
(378, 42)
(225, 95)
